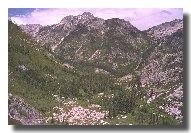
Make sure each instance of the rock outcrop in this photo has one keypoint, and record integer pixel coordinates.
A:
(21, 113)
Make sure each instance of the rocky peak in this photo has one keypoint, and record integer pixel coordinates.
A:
(165, 29)
(86, 17)
(66, 19)
(175, 21)
(87, 14)
(121, 25)
(76, 19)
(31, 29)
(31, 26)
(117, 21)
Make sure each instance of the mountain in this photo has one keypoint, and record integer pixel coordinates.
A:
(85, 61)
(168, 50)
(51, 36)
(165, 29)
(39, 84)
(107, 44)
(34, 75)
(163, 69)
(31, 29)
(165, 62)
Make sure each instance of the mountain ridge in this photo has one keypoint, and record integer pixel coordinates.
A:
(140, 71)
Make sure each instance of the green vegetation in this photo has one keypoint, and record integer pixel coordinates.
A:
(32, 74)
(35, 76)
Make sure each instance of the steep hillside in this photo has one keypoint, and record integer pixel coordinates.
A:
(112, 45)
(51, 36)
(165, 29)
(86, 65)
(31, 29)
(39, 84)
(23, 114)
(34, 74)
(162, 71)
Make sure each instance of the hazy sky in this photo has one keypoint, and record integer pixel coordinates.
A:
(142, 18)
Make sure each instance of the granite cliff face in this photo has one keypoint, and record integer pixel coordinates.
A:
(22, 113)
